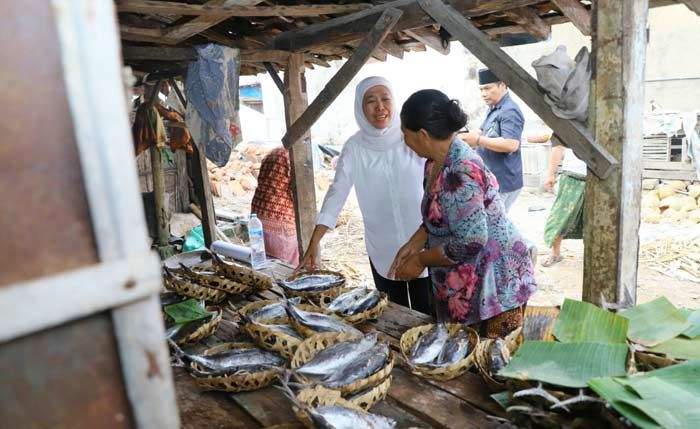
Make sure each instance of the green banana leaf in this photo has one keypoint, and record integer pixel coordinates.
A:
(581, 322)
(186, 311)
(679, 348)
(566, 364)
(620, 397)
(655, 322)
(694, 319)
(685, 376)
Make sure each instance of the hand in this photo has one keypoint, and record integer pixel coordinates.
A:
(471, 137)
(311, 259)
(549, 183)
(410, 269)
(404, 252)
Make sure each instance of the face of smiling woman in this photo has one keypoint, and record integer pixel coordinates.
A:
(378, 106)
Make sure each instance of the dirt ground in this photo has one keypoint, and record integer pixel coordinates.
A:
(344, 249)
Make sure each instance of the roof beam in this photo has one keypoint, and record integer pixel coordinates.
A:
(693, 5)
(531, 22)
(577, 14)
(355, 26)
(340, 80)
(226, 11)
(577, 136)
(429, 38)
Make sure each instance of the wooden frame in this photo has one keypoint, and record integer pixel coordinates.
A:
(109, 171)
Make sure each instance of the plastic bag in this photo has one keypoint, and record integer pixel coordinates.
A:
(194, 240)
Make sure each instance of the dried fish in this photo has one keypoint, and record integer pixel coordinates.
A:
(279, 328)
(499, 355)
(312, 283)
(338, 417)
(178, 332)
(361, 367)
(272, 311)
(168, 298)
(429, 346)
(231, 361)
(347, 299)
(319, 322)
(241, 274)
(456, 348)
(332, 358)
(367, 302)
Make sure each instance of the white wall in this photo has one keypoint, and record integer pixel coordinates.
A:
(673, 52)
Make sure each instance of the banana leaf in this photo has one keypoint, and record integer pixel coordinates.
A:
(619, 397)
(566, 364)
(685, 376)
(581, 322)
(186, 311)
(655, 322)
(694, 319)
(679, 348)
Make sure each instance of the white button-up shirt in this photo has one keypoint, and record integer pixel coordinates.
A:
(389, 187)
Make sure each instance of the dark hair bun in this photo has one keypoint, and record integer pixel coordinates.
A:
(455, 115)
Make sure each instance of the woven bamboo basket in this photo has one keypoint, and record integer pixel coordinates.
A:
(256, 305)
(318, 396)
(314, 344)
(316, 297)
(371, 314)
(186, 288)
(303, 330)
(212, 280)
(234, 383)
(281, 343)
(242, 274)
(482, 361)
(409, 338)
(372, 395)
(204, 331)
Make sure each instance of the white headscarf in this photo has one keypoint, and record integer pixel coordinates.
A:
(371, 137)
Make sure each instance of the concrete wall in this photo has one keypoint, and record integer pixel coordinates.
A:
(673, 77)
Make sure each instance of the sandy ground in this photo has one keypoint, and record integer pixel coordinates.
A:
(345, 246)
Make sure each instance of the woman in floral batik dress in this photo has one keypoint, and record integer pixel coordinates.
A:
(479, 265)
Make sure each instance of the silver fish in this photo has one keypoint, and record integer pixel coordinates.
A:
(312, 283)
(499, 355)
(456, 348)
(181, 331)
(272, 311)
(330, 359)
(233, 360)
(345, 300)
(428, 346)
(365, 303)
(319, 322)
(363, 366)
(338, 417)
(284, 329)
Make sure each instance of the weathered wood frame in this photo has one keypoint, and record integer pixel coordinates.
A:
(109, 172)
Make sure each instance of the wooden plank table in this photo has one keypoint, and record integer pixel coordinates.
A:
(462, 403)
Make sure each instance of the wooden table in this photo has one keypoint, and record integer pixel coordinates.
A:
(462, 403)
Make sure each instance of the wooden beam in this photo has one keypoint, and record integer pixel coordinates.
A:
(612, 209)
(531, 22)
(275, 77)
(429, 38)
(140, 34)
(577, 136)
(158, 53)
(301, 156)
(693, 5)
(200, 177)
(227, 11)
(392, 48)
(162, 224)
(355, 26)
(577, 14)
(341, 79)
(184, 31)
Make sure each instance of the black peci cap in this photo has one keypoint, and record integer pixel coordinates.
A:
(486, 76)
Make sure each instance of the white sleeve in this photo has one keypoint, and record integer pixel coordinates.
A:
(340, 188)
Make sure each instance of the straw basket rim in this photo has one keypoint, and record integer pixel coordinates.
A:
(317, 396)
(233, 382)
(409, 338)
(316, 296)
(206, 329)
(261, 335)
(374, 395)
(180, 287)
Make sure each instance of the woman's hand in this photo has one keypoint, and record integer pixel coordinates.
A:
(414, 245)
(311, 259)
(549, 183)
(410, 269)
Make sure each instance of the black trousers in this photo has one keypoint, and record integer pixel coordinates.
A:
(419, 291)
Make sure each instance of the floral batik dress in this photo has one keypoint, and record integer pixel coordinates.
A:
(463, 214)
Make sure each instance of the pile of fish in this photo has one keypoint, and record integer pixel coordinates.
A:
(313, 283)
(436, 348)
(239, 361)
(346, 362)
(355, 301)
(317, 322)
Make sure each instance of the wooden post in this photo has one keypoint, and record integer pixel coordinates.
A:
(303, 188)
(200, 176)
(162, 226)
(612, 210)
(183, 186)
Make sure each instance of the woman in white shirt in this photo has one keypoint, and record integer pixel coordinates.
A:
(388, 180)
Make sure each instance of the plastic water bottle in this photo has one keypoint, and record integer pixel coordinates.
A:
(257, 243)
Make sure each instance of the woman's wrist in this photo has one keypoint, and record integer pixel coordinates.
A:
(478, 141)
